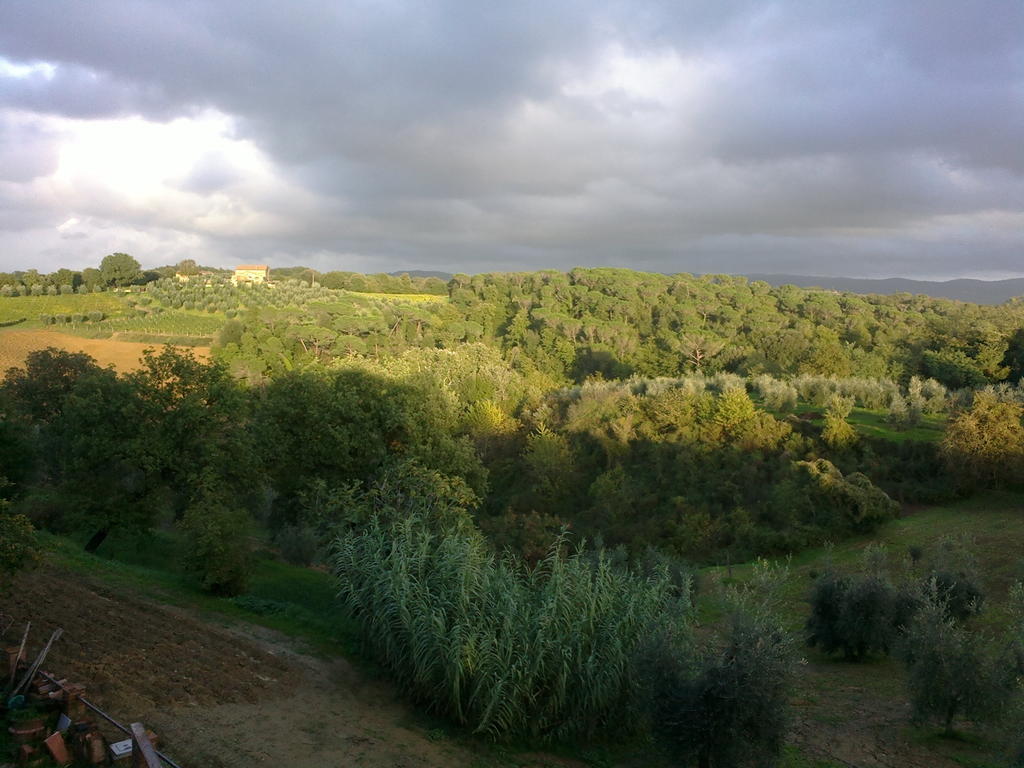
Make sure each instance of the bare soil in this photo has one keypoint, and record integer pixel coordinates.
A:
(218, 697)
(123, 355)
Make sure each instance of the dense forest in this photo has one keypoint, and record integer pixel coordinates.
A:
(517, 477)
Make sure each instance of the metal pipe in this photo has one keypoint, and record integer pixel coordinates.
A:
(108, 718)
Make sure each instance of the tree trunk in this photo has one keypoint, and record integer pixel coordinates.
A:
(950, 714)
(97, 538)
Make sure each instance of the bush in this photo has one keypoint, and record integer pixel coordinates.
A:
(838, 433)
(46, 319)
(546, 652)
(77, 317)
(730, 707)
(734, 710)
(96, 316)
(954, 673)
(297, 545)
(219, 554)
(18, 546)
(857, 615)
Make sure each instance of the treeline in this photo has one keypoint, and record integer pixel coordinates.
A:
(619, 323)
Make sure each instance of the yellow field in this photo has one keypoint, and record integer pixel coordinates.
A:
(123, 355)
(407, 297)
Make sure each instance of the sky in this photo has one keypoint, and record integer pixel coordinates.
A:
(874, 138)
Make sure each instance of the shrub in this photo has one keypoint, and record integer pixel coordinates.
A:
(730, 707)
(77, 317)
(219, 554)
(66, 289)
(837, 432)
(505, 650)
(96, 316)
(297, 545)
(857, 615)
(17, 543)
(46, 319)
(984, 446)
(951, 672)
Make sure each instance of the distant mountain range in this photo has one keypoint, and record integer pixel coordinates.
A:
(975, 291)
(422, 273)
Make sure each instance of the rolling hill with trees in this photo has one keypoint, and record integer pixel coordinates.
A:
(546, 497)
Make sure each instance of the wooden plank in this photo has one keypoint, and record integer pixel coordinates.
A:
(143, 753)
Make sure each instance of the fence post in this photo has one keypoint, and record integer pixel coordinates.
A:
(143, 754)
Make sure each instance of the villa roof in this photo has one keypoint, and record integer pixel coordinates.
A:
(251, 266)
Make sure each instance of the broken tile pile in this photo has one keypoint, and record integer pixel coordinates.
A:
(50, 720)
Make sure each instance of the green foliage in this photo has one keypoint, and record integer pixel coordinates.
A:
(360, 421)
(219, 553)
(953, 368)
(838, 433)
(952, 672)
(119, 270)
(297, 545)
(729, 706)
(857, 615)
(984, 445)
(18, 544)
(507, 651)
(822, 494)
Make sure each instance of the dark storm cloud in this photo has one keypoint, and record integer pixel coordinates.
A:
(861, 138)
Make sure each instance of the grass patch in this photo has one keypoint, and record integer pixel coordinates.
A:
(792, 757)
(421, 298)
(872, 423)
(299, 602)
(14, 308)
(993, 521)
(179, 323)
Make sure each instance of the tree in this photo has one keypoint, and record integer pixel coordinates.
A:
(837, 432)
(49, 376)
(952, 672)
(96, 473)
(732, 708)
(18, 546)
(187, 267)
(984, 445)
(219, 552)
(857, 615)
(119, 269)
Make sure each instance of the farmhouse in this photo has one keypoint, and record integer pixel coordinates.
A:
(254, 274)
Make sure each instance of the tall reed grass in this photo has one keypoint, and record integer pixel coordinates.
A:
(547, 652)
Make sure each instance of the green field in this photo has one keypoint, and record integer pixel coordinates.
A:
(872, 423)
(26, 309)
(178, 322)
(836, 694)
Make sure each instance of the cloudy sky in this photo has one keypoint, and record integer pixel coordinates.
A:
(831, 138)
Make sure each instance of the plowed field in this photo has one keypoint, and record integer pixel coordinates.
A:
(218, 697)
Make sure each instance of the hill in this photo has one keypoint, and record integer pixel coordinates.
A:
(974, 291)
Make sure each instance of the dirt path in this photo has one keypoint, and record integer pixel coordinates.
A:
(220, 697)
